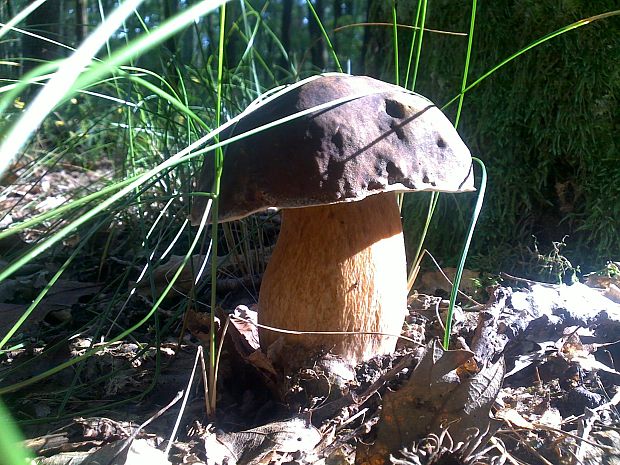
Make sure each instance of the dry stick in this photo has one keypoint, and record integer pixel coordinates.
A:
(438, 316)
(351, 419)
(341, 438)
(184, 403)
(615, 400)
(523, 441)
(608, 449)
(330, 333)
(560, 432)
(205, 382)
(217, 363)
(499, 444)
(129, 440)
(430, 255)
(529, 282)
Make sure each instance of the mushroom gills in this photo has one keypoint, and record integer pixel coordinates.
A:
(338, 267)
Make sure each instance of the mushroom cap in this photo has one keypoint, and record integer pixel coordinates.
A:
(387, 139)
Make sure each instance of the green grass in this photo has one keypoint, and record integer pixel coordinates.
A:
(12, 452)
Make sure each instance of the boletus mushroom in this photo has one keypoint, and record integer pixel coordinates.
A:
(339, 262)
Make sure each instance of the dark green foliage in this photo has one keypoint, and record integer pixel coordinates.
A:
(547, 126)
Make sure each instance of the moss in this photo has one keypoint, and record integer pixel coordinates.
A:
(546, 126)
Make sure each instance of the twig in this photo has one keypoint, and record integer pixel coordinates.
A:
(531, 449)
(331, 333)
(560, 432)
(184, 403)
(529, 282)
(351, 399)
(205, 381)
(499, 444)
(405, 26)
(213, 397)
(461, 293)
(159, 413)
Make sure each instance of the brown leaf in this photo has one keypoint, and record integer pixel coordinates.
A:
(441, 393)
(251, 447)
(199, 324)
(244, 320)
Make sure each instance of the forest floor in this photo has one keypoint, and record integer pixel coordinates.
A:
(531, 377)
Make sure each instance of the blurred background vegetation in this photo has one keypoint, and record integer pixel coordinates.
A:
(546, 125)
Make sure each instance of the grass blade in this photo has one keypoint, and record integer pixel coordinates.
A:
(536, 43)
(470, 40)
(325, 35)
(395, 42)
(459, 270)
(67, 79)
(60, 84)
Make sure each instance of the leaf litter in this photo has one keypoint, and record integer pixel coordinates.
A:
(532, 379)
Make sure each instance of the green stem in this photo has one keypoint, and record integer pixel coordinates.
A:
(395, 35)
(325, 36)
(467, 59)
(461, 265)
(413, 41)
(419, 49)
(219, 159)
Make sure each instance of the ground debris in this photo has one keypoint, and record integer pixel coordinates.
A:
(447, 389)
(422, 405)
(39, 189)
(139, 452)
(263, 444)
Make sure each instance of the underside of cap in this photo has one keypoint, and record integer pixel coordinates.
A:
(384, 139)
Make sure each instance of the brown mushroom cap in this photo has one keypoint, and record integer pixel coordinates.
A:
(388, 139)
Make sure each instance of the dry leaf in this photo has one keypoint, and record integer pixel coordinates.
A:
(441, 393)
(514, 418)
(252, 447)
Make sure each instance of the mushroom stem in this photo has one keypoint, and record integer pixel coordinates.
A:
(339, 267)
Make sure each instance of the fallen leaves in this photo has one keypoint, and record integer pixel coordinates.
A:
(422, 405)
(263, 444)
(442, 394)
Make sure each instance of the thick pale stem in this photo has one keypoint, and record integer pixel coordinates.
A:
(338, 267)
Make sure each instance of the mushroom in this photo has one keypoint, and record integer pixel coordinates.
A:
(339, 263)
